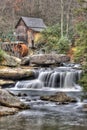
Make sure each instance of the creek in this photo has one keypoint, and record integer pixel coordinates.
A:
(46, 115)
(50, 80)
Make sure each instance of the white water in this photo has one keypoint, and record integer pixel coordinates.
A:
(60, 78)
(44, 114)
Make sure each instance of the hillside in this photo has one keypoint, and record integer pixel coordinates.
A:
(49, 10)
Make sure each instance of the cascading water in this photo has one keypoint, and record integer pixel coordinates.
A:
(60, 77)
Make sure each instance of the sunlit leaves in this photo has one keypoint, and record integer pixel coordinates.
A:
(1, 55)
(51, 40)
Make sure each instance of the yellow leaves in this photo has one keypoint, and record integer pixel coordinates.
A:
(37, 36)
(71, 53)
(17, 5)
(74, 49)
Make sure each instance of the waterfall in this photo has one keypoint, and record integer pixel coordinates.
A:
(70, 79)
(60, 77)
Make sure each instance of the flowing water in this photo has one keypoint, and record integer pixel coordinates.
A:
(46, 79)
(45, 115)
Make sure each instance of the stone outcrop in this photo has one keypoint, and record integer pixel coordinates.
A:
(25, 61)
(59, 97)
(84, 108)
(10, 61)
(9, 104)
(6, 82)
(4, 111)
(9, 100)
(15, 73)
(45, 59)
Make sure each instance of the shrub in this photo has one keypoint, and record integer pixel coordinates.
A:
(81, 43)
(63, 45)
(1, 55)
(51, 40)
(81, 53)
(83, 81)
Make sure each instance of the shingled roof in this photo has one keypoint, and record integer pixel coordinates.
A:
(36, 24)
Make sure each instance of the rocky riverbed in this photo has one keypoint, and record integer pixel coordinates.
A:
(60, 98)
(10, 104)
(10, 73)
(13, 68)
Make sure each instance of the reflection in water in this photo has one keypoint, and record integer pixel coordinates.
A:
(46, 116)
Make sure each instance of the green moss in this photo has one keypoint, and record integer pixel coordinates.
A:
(1, 55)
(63, 45)
(81, 50)
(81, 43)
(83, 81)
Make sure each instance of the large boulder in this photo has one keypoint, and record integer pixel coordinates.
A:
(59, 97)
(84, 107)
(9, 100)
(10, 61)
(15, 73)
(45, 59)
(4, 111)
(25, 60)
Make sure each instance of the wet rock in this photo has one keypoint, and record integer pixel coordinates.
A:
(4, 111)
(24, 94)
(84, 108)
(25, 61)
(59, 97)
(19, 95)
(8, 100)
(45, 59)
(28, 100)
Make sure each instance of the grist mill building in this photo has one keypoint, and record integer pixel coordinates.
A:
(28, 29)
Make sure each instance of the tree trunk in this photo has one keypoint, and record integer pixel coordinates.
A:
(68, 17)
(62, 17)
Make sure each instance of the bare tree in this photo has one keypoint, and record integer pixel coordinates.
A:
(62, 17)
(52, 11)
(68, 17)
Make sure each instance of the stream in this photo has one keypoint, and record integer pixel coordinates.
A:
(46, 115)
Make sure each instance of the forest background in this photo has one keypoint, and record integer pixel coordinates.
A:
(64, 18)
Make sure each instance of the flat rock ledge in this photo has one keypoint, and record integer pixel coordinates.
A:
(45, 59)
(6, 82)
(10, 104)
(10, 61)
(4, 111)
(60, 98)
(15, 73)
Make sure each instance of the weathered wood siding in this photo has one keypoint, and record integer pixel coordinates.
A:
(21, 31)
(30, 34)
(37, 36)
(25, 34)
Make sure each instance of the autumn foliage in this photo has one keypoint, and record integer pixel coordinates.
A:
(21, 49)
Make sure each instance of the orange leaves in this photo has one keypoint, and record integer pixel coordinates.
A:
(22, 49)
(71, 53)
(17, 5)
